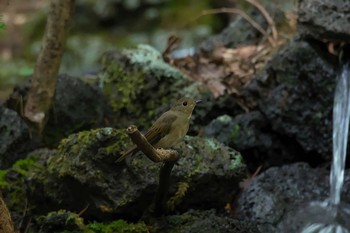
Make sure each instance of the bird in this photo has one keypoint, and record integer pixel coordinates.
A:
(170, 128)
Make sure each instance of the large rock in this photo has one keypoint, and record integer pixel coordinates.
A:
(279, 199)
(295, 93)
(77, 106)
(250, 133)
(139, 84)
(280, 191)
(324, 19)
(83, 173)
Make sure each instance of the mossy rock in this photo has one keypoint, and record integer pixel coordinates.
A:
(84, 173)
(139, 84)
(16, 184)
(61, 221)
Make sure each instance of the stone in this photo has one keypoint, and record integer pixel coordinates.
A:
(324, 19)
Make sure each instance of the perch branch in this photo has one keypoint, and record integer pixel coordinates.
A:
(156, 155)
(238, 12)
(163, 187)
(267, 16)
(169, 157)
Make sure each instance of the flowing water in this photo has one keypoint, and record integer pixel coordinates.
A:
(332, 215)
(341, 114)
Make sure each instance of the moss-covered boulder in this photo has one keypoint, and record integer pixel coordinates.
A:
(139, 84)
(83, 174)
(61, 221)
(16, 186)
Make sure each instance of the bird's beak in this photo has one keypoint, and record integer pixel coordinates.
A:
(198, 101)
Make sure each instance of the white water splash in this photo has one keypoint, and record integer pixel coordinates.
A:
(341, 114)
(332, 216)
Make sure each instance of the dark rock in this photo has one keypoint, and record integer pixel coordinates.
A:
(77, 106)
(251, 134)
(83, 174)
(295, 93)
(279, 199)
(279, 191)
(15, 138)
(324, 19)
(195, 221)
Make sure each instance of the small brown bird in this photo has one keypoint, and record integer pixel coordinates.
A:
(170, 128)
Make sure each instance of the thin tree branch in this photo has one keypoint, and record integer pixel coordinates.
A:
(238, 12)
(267, 16)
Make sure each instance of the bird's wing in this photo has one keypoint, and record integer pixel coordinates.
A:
(160, 128)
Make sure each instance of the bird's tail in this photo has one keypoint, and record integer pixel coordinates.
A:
(131, 151)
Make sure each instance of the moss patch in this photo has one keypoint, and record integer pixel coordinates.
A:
(119, 226)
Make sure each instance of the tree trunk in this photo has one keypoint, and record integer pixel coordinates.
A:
(44, 78)
(6, 224)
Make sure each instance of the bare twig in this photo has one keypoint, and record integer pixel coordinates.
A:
(267, 16)
(238, 12)
(44, 79)
(156, 155)
(169, 157)
(163, 187)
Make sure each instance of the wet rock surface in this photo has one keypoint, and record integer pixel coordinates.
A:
(324, 19)
(296, 96)
(277, 198)
(84, 173)
(280, 191)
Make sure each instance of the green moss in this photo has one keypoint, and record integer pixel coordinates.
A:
(235, 131)
(62, 221)
(85, 140)
(122, 87)
(26, 166)
(3, 183)
(119, 226)
(236, 160)
(128, 73)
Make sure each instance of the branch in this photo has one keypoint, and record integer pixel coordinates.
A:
(44, 78)
(169, 157)
(156, 155)
(267, 16)
(238, 12)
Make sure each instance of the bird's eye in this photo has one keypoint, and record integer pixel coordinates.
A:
(184, 103)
